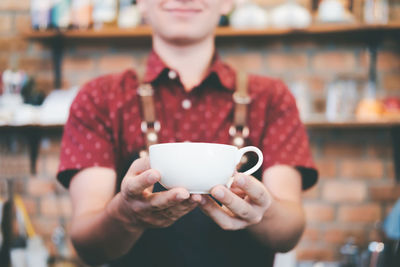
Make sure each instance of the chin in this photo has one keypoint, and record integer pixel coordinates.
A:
(184, 37)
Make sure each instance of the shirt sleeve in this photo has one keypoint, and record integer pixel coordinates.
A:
(285, 140)
(87, 139)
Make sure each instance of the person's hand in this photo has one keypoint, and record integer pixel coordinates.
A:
(146, 209)
(243, 205)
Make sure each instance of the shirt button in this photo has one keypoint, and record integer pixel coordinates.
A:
(186, 104)
(172, 74)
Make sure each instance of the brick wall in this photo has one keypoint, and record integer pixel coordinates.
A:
(356, 189)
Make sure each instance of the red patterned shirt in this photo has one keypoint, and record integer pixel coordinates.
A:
(103, 129)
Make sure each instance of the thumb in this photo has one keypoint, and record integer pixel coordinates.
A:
(138, 166)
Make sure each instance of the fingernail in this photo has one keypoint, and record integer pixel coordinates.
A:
(181, 196)
(196, 199)
(203, 201)
(219, 193)
(152, 178)
(240, 181)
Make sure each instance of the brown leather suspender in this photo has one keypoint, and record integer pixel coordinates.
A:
(150, 126)
(239, 130)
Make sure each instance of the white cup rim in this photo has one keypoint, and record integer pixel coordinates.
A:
(191, 143)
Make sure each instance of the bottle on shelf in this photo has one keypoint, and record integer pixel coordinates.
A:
(129, 14)
(40, 14)
(18, 240)
(376, 11)
(105, 13)
(349, 254)
(81, 13)
(21, 247)
(369, 108)
(13, 250)
(4, 224)
(61, 14)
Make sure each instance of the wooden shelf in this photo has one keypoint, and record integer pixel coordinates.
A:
(309, 124)
(352, 124)
(315, 29)
(145, 31)
(27, 127)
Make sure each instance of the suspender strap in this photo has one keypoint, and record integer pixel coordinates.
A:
(146, 92)
(150, 126)
(241, 99)
(239, 130)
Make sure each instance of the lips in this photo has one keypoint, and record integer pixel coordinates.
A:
(183, 10)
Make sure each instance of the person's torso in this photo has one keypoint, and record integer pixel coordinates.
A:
(203, 115)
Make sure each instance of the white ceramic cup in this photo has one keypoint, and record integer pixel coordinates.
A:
(198, 167)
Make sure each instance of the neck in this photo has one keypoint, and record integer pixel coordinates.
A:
(191, 61)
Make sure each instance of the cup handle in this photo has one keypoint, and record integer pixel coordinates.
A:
(254, 149)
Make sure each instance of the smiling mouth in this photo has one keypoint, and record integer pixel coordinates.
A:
(183, 11)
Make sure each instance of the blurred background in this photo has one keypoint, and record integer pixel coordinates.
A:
(340, 58)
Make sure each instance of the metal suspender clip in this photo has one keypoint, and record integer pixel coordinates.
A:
(241, 99)
(239, 134)
(243, 131)
(145, 90)
(146, 126)
(151, 130)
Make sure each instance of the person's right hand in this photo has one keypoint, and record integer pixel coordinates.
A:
(145, 209)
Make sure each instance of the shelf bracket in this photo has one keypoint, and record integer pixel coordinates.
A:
(373, 55)
(395, 131)
(57, 51)
(34, 137)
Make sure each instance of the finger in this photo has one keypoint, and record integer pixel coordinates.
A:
(196, 198)
(138, 166)
(135, 185)
(166, 199)
(238, 191)
(255, 190)
(219, 216)
(176, 212)
(234, 203)
(183, 207)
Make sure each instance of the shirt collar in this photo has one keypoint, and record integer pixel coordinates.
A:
(155, 66)
(225, 74)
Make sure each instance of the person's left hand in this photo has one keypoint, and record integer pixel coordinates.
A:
(243, 205)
